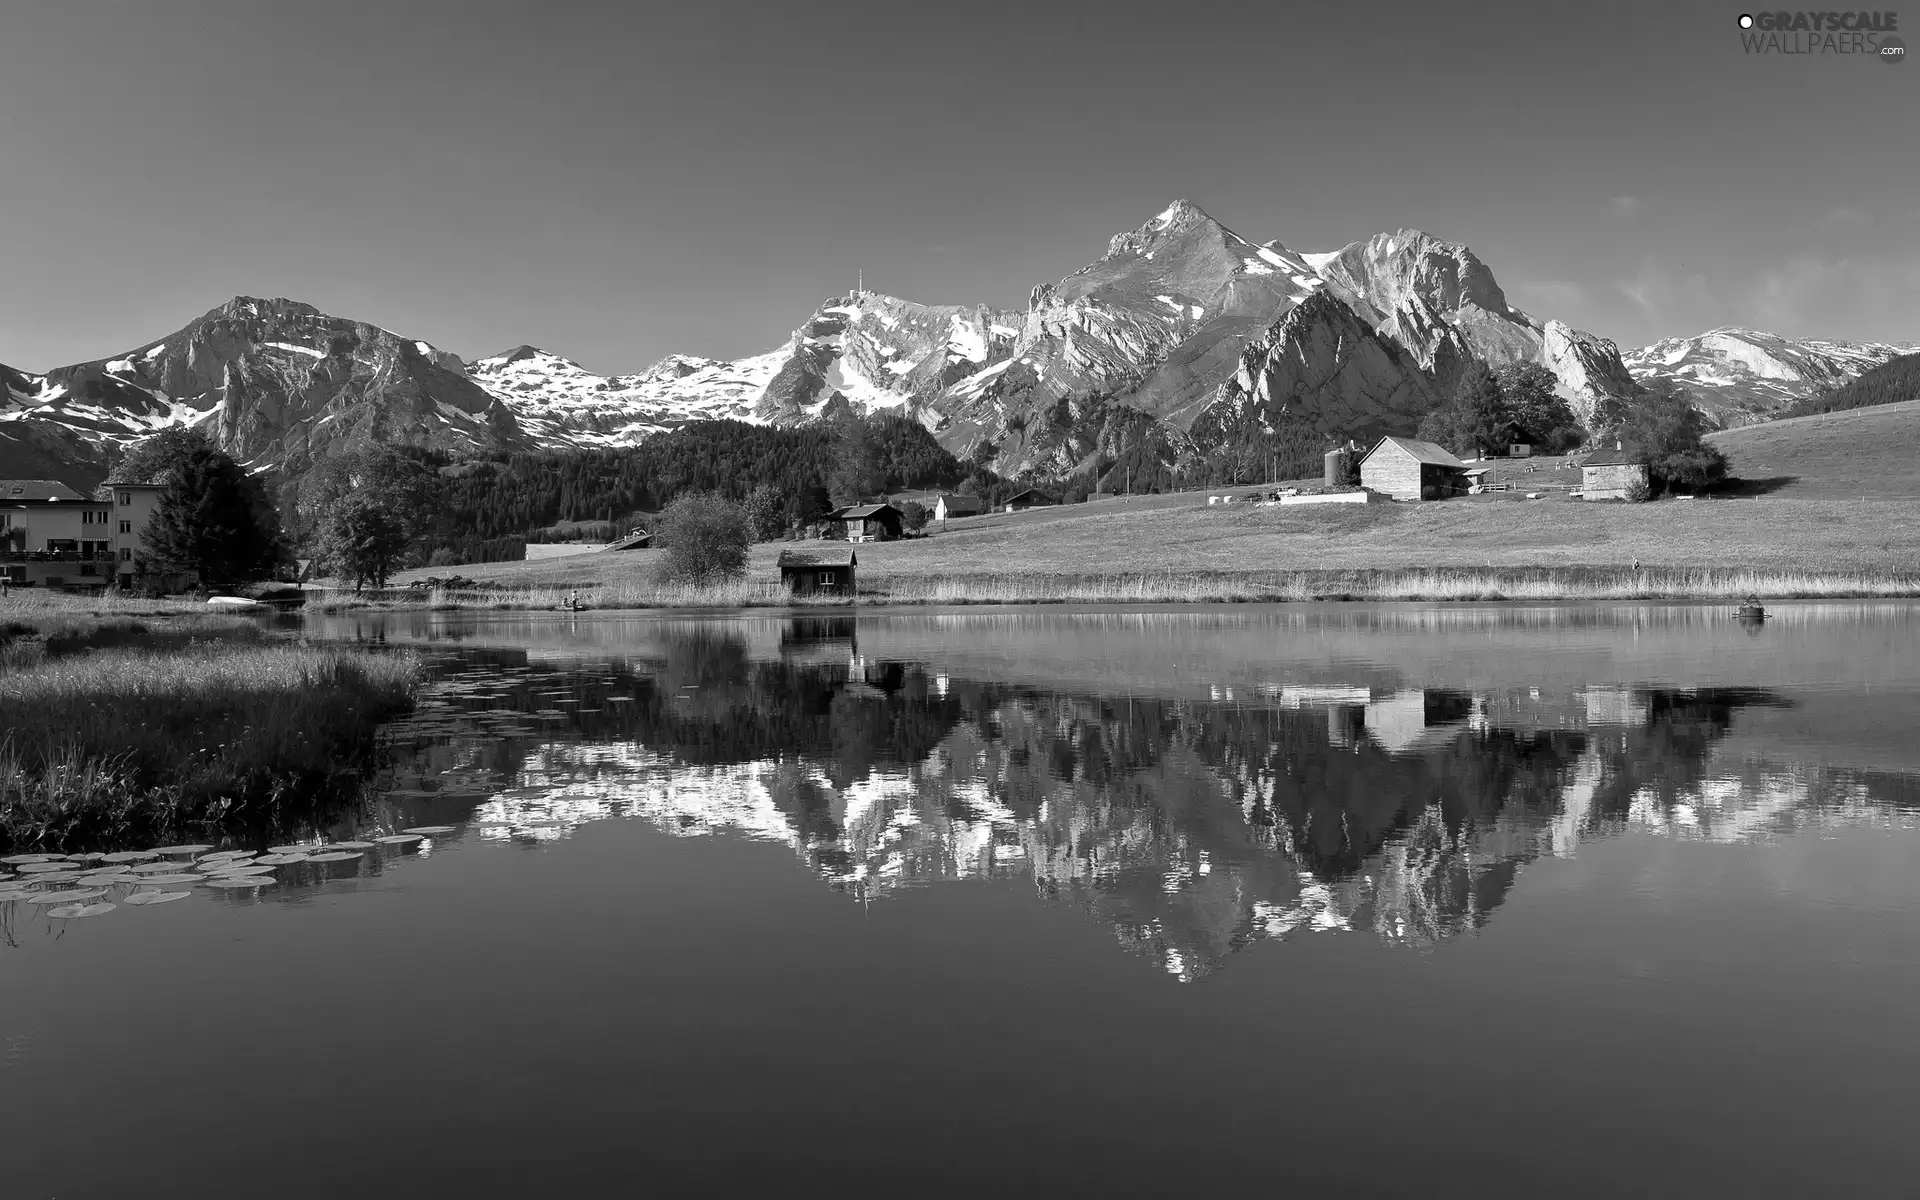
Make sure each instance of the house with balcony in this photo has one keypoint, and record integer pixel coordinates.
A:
(53, 536)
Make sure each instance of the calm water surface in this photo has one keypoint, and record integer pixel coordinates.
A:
(1392, 899)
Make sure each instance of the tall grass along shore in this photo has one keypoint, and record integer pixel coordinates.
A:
(1192, 587)
(119, 731)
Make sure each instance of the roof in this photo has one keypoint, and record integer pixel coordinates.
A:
(1477, 470)
(856, 512)
(801, 559)
(1425, 452)
(969, 503)
(1030, 494)
(1611, 458)
(37, 489)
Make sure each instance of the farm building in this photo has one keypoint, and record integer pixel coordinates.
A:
(947, 507)
(869, 522)
(805, 572)
(1408, 469)
(1031, 498)
(1608, 474)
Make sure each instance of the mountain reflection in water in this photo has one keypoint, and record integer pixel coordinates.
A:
(1193, 827)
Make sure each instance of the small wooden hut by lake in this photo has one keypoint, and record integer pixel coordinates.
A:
(807, 572)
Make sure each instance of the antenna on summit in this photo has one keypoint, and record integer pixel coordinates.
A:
(861, 286)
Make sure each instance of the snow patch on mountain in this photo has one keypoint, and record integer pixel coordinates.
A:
(1739, 376)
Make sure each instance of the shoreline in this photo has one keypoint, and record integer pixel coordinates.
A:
(1431, 585)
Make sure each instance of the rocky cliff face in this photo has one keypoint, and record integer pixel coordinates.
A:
(1738, 376)
(1440, 302)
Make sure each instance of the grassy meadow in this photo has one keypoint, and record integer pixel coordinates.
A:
(117, 729)
(1825, 506)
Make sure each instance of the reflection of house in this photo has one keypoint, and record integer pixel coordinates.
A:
(945, 508)
(869, 522)
(1413, 719)
(806, 572)
(1408, 469)
(1608, 474)
(1030, 498)
(52, 536)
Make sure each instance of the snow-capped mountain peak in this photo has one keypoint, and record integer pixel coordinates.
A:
(1741, 375)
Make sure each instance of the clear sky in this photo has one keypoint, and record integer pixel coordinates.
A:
(618, 181)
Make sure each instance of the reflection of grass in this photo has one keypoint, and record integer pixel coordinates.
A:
(123, 734)
(1199, 587)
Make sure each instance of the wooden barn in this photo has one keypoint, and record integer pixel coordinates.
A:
(806, 572)
(869, 522)
(1031, 498)
(1409, 469)
(1608, 474)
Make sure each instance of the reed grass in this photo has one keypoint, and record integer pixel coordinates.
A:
(169, 735)
(1215, 587)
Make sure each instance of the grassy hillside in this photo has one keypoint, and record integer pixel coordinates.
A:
(1871, 452)
(1801, 510)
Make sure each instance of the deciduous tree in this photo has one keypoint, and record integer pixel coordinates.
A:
(705, 538)
(364, 540)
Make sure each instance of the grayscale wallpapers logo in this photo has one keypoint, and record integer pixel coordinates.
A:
(1867, 34)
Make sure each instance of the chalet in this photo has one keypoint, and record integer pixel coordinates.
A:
(806, 572)
(869, 522)
(1030, 498)
(634, 539)
(945, 507)
(1610, 474)
(1408, 469)
(52, 536)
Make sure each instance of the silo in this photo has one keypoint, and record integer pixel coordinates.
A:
(1336, 466)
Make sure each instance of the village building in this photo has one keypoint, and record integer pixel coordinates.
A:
(869, 522)
(133, 506)
(808, 572)
(1031, 498)
(947, 507)
(1611, 474)
(1409, 469)
(52, 536)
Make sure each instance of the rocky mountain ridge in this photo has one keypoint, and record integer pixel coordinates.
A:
(1180, 318)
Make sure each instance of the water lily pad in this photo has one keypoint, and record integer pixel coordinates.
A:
(170, 880)
(9, 895)
(152, 868)
(43, 868)
(399, 839)
(177, 851)
(22, 860)
(70, 896)
(350, 846)
(67, 912)
(432, 830)
(249, 869)
(156, 897)
(306, 849)
(92, 856)
(243, 881)
(104, 878)
(334, 858)
(127, 856)
(226, 855)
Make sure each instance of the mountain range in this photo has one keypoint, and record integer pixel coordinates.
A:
(1178, 319)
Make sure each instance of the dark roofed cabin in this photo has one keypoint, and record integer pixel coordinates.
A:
(1611, 474)
(1031, 498)
(870, 522)
(807, 572)
(1410, 469)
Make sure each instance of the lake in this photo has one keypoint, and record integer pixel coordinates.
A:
(1395, 899)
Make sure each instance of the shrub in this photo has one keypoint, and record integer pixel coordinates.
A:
(1638, 492)
(706, 538)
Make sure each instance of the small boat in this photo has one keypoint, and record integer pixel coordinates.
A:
(235, 602)
(1751, 611)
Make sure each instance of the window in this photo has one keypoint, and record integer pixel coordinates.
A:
(126, 498)
(126, 527)
(826, 579)
(126, 554)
